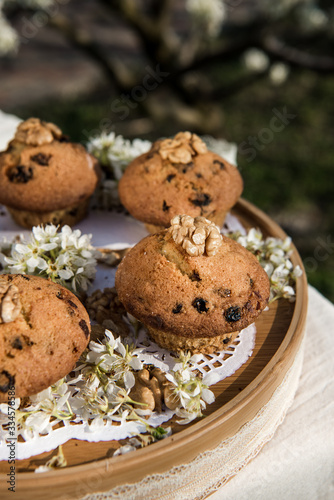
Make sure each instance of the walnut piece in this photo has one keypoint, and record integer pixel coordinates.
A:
(170, 399)
(10, 305)
(182, 148)
(36, 132)
(106, 308)
(111, 257)
(197, 236)
(151, 389)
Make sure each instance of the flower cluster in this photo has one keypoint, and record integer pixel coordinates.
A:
(208, 14)
(108, 377)
(99, 393)
(106, 380)
(274, 256)
(190, 391)
(65, 256)
(115, 152)
(228, 150)
(44, 410)
(9, 40)
(256, 60)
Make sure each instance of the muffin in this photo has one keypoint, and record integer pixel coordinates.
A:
(179, 176)
(44, 178)
(44, 329)
(193, 288)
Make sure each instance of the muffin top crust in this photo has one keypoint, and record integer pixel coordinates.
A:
(42, 171)
(176, 176)
(194, 296)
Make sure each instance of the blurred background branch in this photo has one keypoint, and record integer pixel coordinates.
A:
(228, 68)
(188, 39)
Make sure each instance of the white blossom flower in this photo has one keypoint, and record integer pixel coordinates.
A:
(4, 407)
(210, 378)
(66, 256)
(99, 391)
(208, 14)
(9, 39)
(312, 18)
(228, 150)
(129, 380)
(124, 449)
(208, 396)
(273, 255)
(97, 424)
(279, 73)
(45, 410)
(190, 390)
(38, 423)
(256, 60)
(116, 152)
(186, 416)
(297, 272)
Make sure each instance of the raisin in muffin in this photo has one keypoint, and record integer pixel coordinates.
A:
(44, 329)
(179, 176)
(44, 178)
(193, 288)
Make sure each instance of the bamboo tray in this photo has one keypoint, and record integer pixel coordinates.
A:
(238, 399)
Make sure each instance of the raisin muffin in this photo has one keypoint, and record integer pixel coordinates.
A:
(44, 329)
(193, 288)
(179, 176)
(44, 178)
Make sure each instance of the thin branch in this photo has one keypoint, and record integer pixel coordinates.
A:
(81, 39)
(227, 91)
(227, 52)
(146, 29)
(277, 49)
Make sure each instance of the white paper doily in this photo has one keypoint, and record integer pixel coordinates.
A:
(118, 231)
(224, 364)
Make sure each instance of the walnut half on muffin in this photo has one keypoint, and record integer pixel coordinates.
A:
(44, 178)
(193, 288)
(176, 176)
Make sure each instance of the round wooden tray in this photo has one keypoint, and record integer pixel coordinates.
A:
(91, 467)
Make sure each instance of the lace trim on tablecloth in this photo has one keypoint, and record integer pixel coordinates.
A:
(213, 468)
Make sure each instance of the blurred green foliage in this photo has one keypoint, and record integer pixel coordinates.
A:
(291, 178)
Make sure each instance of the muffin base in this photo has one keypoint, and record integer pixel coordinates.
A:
(218, 219)
(152, 228)
(198, 345)
(70, 216)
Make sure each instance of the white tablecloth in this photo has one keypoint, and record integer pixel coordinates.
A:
(298, 463)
